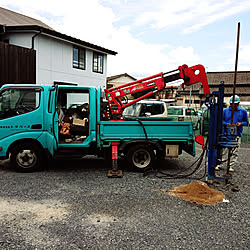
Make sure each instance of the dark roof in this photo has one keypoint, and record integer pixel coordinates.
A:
(243, 77)
(11, 18)
(214, 79)
(110, 78)
(11, 21)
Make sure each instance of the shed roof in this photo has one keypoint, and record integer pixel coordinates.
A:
(111, 78)
(11, 21)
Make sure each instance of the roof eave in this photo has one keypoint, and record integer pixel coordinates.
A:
(59, 35)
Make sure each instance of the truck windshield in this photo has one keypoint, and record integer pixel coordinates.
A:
(140, 109)
(18, 101)
(133, 110)
(175, 111)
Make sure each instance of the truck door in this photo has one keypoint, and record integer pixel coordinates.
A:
(76, 116)
(21, 114)
(51, 121)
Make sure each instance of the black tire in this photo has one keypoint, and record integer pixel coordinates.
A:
(26, 157)
(140, 157)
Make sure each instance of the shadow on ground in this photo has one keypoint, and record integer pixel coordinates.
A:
(96, 164)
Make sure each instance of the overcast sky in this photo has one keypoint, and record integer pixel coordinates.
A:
(152, 36)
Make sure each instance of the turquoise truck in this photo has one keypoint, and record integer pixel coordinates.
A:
(41, 121)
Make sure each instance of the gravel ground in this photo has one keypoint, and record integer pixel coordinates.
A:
(73, 205)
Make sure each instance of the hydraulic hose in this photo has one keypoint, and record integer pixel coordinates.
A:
(164, 175)
(140, 122)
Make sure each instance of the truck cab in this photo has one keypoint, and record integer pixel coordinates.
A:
(33, 121)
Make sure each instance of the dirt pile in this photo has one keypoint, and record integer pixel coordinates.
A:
(198, 192)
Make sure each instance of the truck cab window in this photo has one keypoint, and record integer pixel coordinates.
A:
(152, 108)
(18, 101)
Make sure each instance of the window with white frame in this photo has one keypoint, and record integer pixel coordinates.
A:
(98, 59)
(78, 58)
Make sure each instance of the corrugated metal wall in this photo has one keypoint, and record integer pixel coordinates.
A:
(17, 64)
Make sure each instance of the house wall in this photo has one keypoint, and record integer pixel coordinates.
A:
(54, 61)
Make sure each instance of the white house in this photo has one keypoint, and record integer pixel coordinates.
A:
(59, 57)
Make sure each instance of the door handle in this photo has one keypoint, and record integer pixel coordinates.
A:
(36, 126)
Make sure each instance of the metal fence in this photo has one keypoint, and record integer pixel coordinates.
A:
(246, 134)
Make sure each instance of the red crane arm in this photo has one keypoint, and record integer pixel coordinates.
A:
(154, 84)
(194, 74)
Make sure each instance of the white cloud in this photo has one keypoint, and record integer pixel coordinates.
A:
(191, 15)
(92, 22)
(230, 56)
(141, 59)
(244, 54)
(243, 57)
(180, 54)
(84, 19)
(220, 68)
(96, 22)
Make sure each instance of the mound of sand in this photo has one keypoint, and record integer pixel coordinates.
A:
(198, 192)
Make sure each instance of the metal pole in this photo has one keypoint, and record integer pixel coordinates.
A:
(235, 71)
(190, 94)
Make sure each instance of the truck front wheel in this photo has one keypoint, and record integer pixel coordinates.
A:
(140, 157)
(26, 157)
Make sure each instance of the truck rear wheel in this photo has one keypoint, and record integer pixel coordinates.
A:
(26, 157)
(140, 157)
